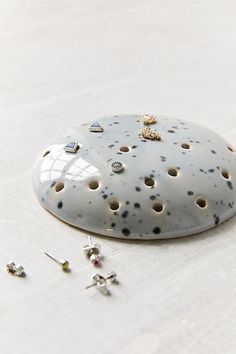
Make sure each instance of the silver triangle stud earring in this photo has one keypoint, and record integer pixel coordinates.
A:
(96, 128)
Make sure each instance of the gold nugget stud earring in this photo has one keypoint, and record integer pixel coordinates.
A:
(16, 270)
(65, 265)
(92, 252)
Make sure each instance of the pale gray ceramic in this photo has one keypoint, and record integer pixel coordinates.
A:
(179, 186)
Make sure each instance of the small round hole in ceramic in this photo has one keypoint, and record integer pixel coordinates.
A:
(185, 146)
(173, 172)
(93, 184)
(59, 186)
(149, 181)
(124, 149)
(114, 204)
(191, 169)
(158, 207)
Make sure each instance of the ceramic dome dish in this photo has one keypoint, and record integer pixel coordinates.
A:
(138, 177)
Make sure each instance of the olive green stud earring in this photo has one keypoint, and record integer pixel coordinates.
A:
(65, 265)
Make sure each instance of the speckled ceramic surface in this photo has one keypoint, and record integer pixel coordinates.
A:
(106, 178)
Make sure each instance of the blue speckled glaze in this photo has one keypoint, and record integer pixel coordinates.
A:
(179, 186)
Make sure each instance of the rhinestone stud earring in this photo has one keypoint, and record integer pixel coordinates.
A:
(92, 252)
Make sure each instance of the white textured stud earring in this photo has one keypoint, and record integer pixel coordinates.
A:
(16, 270)
(117, 166)
(92, 251)
(63, 263)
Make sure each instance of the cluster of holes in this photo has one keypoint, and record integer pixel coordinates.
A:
(124, 149)
(149, 181)
(59, 186)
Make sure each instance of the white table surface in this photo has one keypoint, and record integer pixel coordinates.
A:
(63, 62)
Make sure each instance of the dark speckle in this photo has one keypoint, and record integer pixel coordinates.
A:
(110, 146)
(60, 205)
(137, 205)
(230, 185)
(217, 219)
(53, 184)
(190, 193)
(171, 131)
(113, 224)
(125, 214)
(211, 170)
(125, 232)
(213, 151)
(152, 197)
(138, 189)
(127, 202)
(134, 146)
(105, 196)
(156, 230)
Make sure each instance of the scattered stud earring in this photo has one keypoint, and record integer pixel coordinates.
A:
(117, 166)
(63, 263)
(71, 147)
(92, 252)
(101, 282)
(16, 270)
(96, 128)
